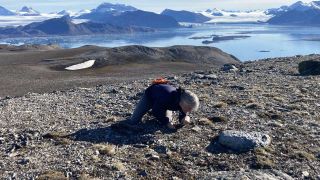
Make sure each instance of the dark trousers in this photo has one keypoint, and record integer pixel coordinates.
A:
(142, 108)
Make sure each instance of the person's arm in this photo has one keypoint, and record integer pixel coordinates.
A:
(159, 112)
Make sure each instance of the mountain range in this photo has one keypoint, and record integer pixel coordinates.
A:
(186, 16)
(120, 18)
(299, 13)
(65, 26)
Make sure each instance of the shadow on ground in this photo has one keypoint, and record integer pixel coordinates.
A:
(117, 134)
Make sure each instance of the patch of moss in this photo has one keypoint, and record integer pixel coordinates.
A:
(60, 138)
(279, 99)
(106, 149)
(118, 166)
(253, 106)
(84, 176)
(52, 175)
(220, 105)
(262, 162)
(231, 101)
(54, 135)
(205, 121)
(303, 155)
(63, 141)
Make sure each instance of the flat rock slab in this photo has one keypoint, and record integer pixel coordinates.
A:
(243, 141)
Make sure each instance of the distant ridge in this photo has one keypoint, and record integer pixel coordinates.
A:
(65, 26)
(186, 16)
(5, 12)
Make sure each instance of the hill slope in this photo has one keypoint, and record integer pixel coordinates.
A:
(69, 132)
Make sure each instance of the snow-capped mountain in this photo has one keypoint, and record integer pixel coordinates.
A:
(28, 11)
(276, 11)
(108, 7)
(83, 11)
(106, 10)
(65, 12)
(299, 13)
(301, 6)
(214, 12)
(5, 12)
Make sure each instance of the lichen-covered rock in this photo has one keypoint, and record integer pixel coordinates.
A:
(243, 141)
(310, 67)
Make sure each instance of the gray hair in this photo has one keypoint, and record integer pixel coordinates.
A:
(190, 99)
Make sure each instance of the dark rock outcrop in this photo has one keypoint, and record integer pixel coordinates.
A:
(310, 67)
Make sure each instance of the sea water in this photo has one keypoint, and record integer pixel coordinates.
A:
(262, 41)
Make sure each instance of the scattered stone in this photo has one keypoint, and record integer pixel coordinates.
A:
(305, 174)
(153, 157)
(196, 129)
(140, 145)
(23, 161)
(241, 88)
(229, 68)
(197, 76)
(143, 173)
(210, 76)
(275, 124)
(161, 149)
(218, 119)
(243, 141)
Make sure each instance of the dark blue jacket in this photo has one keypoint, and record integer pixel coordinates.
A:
(164, 97)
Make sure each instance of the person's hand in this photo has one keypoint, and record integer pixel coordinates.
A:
(170, 126)
(185, 120)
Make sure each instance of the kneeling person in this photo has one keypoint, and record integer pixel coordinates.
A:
(163, 99)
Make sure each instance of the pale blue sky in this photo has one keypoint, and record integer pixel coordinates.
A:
(148, 5)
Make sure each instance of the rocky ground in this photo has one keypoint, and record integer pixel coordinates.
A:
(68, 134)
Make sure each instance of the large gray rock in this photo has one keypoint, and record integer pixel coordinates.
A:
(243, 141)
(311, 67)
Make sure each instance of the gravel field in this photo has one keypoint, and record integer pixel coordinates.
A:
(69, 135)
